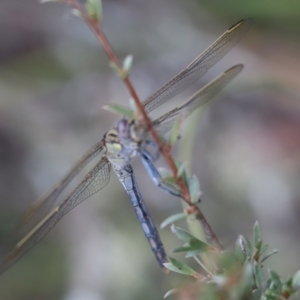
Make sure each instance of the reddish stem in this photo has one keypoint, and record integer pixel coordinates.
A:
(165, 149)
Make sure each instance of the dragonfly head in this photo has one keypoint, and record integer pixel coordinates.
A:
(123, 141)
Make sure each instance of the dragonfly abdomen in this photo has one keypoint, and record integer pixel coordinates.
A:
(128, 181)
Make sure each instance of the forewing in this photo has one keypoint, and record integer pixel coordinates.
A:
(94, 181)
(165, 122)
(43, 205)
(199, 66)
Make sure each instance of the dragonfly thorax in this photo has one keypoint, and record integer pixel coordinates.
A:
(123, 141)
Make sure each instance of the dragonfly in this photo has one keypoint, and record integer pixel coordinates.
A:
(119, 146)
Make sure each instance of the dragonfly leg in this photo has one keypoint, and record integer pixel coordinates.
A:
(155, 156)
(151, 143)
(155, 175)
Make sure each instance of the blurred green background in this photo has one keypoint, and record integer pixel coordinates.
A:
(54, 79)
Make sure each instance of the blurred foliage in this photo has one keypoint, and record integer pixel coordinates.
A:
(277, 15)
(236, 275)
(50, 262)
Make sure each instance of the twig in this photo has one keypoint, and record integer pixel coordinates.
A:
(95, 26)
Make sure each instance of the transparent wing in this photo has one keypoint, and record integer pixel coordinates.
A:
(165, 122)
(94, 181)
(44, 204)
(199, 66)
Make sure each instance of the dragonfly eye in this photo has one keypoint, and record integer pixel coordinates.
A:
(137, 132)
(123, 129)
(111, 136)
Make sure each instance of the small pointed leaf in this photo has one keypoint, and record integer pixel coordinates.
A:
(172, 219)
(76, 13)
(258, 247)
(258, 276)
(195, 245)
(119, 109)
(263, 249)
(274, 251)
(182, 234)
(256, 234)
(175, 131)
(296, 281)
(180, 267)
(170, 292)
(276, 280)
(127, 63)
(194, 189)
(164, 173)
(183, 248)
(272, 295)
(182, 169)
(256, 295)
(220, 280)
(184, 173)
(132, 104)
(171, 184)
(169, 180)
(248, 245)
(94, 9)
(116, 68)
(193, 253)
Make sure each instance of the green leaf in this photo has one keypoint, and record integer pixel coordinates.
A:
(183, 248)
(181, 168)
(192, 253)
(296, 281)
(256, 251)
(194, 245)
(94, 9)
(258, 276)
(182, 234)
(170, 292)
(194, 189)
(119, 109)
(263, 249)
(171, 183)
(249, 246)
(132, 104)
(256, 295)
(274, 251)
(276, 280)
(220, 280)
(127, 63)
(164, 173)
(256, 234)
(269, 283)
(270, 295)
(258, 246)
(175, 130)
(169, 180)
(172, 219)
(184, 173)
(180, 267)
(116, 68)
(76, 13)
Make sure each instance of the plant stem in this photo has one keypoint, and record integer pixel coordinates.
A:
(95, 26)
